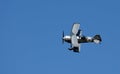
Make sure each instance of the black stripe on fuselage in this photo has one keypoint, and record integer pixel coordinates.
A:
(80, 40)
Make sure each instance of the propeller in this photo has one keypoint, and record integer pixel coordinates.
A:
(63, 37)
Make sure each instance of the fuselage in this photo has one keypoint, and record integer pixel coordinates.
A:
(81, 39)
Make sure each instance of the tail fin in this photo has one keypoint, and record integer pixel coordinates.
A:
(97, 39)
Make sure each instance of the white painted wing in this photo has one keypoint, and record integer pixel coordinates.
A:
(75, 28)
(74, 41)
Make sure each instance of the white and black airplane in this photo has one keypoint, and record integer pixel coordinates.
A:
(76, 38)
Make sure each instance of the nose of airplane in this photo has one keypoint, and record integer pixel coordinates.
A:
(66, 37)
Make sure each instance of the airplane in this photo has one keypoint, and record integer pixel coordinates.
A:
(76, 38)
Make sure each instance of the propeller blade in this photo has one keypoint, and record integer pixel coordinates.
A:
(63, 37)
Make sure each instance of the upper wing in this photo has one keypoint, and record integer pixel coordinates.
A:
(75, 28)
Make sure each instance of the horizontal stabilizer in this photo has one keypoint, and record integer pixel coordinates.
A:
(97, 39)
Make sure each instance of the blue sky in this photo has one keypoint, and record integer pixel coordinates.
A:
(31, 31)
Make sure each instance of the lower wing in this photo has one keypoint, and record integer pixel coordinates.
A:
(76, 49)
(75, 44)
